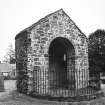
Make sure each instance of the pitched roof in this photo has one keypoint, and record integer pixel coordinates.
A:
(42, 19)
(4, 67)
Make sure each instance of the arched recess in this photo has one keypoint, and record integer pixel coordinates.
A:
(61, 64)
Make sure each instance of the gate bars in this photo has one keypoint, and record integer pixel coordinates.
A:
(57, 89)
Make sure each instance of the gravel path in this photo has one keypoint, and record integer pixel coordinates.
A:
(12, 97)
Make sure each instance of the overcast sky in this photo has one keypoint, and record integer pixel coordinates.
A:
(15, 15)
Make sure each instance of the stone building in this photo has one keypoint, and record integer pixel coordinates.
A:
(51, 55)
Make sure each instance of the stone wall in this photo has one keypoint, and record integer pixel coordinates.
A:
(21, 46)
(40, 35)
(1, 82)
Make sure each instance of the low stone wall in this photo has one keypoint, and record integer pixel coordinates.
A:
(1, 82)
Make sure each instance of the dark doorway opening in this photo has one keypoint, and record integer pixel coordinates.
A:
(61, 64)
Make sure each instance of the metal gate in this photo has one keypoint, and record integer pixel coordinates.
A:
(61, 75)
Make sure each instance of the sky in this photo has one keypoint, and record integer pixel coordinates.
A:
(16, 15)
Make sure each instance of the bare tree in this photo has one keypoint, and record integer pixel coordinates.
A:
(10, 55)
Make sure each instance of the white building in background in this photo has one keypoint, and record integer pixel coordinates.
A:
(8, 69)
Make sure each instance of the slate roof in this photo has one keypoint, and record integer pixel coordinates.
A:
(4, 67)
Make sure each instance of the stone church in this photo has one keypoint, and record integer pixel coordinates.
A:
(52, 56)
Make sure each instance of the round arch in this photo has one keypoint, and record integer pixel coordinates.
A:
(61, 63)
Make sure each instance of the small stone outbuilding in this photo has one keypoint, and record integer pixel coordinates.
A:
(52, 55)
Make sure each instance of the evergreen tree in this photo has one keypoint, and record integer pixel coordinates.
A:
(96, 49)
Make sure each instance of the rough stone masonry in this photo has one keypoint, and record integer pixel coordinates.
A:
(51, 49)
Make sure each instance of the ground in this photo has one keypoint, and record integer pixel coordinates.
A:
(11, 97)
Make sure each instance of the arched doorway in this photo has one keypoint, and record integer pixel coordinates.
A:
(61, 64)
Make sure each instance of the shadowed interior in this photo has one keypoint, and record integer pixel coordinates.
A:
(61, 63)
